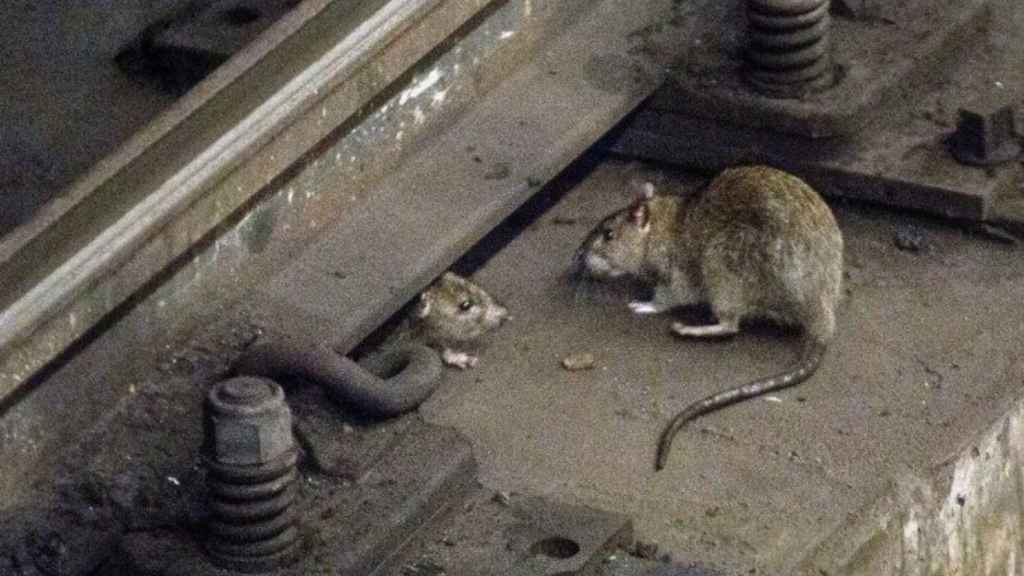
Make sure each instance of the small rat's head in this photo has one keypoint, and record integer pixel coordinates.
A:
(453, 309)
(617, 246)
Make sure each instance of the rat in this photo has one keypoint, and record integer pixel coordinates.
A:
(449, 316)
(756, 242)
(452, 315)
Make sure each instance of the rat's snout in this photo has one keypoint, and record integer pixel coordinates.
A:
(598, 267)
(498, 314)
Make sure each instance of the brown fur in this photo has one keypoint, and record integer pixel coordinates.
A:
(756, 242)
(452, 315)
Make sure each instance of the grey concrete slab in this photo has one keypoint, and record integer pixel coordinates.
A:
(926, 359)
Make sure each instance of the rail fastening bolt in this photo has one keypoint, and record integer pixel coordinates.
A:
(788, 48)
(251, 458)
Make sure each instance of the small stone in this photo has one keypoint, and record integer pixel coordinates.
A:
(578, 361)
(502, 497)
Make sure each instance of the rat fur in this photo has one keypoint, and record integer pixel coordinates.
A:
(757, 242)
(452, 315)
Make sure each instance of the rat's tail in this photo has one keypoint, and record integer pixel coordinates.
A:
(812, 356)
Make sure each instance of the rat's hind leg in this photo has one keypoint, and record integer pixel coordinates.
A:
(727, 306)
(722, 328)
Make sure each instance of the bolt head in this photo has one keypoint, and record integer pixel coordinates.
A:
(247, 422)
(985, 136)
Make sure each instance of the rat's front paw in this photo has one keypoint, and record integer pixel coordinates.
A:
(639, 307)
(461, 360)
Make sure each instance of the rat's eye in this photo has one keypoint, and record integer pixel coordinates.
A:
(465, 305)
(608, 235)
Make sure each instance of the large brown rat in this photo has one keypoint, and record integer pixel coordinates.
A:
(452, 315)
(756, 242)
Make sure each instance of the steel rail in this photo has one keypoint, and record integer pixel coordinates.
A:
(95, 245)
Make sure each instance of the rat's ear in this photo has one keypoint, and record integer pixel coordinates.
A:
(647, 190)
(422, 306)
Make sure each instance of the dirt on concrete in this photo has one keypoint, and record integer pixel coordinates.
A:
(926, 359)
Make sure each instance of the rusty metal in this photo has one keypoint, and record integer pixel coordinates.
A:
(788, 50)
(247, 422)
(251, 476)
(420, 471)
(881, 134)
(986, 137)
(388, 384)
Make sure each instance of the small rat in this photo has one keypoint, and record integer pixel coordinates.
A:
(453, 314)
(757, 242)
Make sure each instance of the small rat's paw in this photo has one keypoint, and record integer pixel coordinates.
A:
(461, 360)
(639, 307)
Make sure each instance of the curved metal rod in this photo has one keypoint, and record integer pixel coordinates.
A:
(387, 384)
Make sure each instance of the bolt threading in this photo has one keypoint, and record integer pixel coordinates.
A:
(253, 526)
(788, 50)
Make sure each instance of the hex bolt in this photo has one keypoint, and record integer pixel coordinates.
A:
(985, 136)
(788, 50)
(251, 457)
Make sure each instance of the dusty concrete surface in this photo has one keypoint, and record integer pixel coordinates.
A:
(65, 104)
(927, 358)
(905, 443)
(908, 434)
